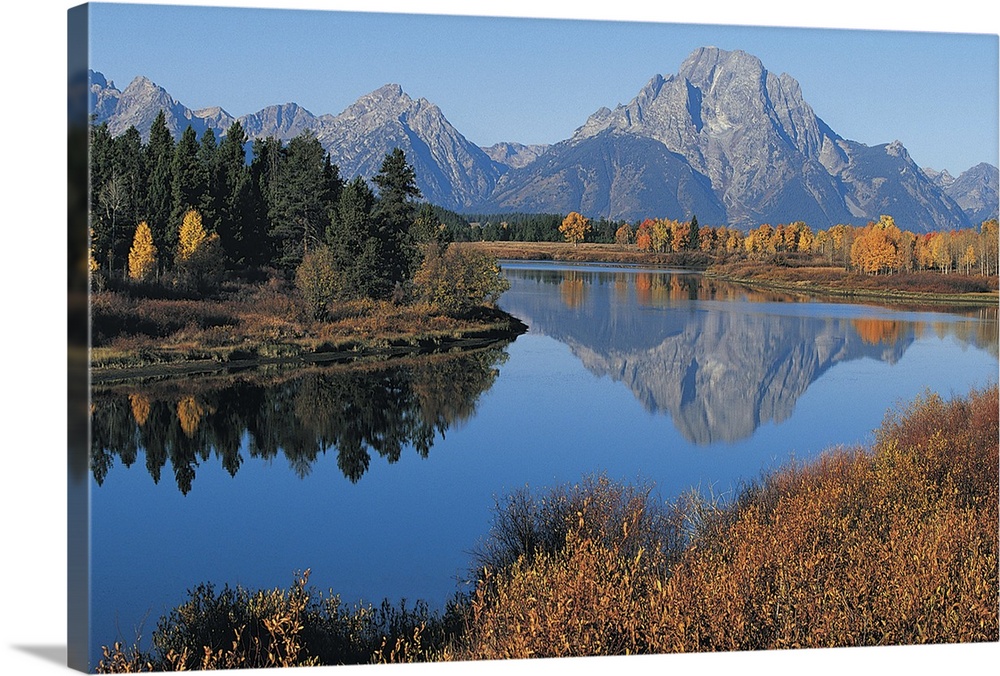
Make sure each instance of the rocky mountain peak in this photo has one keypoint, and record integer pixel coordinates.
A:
(710, 67)
(975, 191)
(98, 80)
(386, 97)
(142, 85)
(896, 149)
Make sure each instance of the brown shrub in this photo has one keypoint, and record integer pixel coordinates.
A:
(892, 545)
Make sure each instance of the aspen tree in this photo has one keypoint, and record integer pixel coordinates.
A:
(574, 227)
(142, 255)
(192, 235)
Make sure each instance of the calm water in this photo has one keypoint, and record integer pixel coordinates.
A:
(380, 480)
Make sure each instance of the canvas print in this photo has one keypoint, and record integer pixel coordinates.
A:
(425, 338)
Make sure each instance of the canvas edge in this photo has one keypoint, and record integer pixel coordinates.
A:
(78, 341)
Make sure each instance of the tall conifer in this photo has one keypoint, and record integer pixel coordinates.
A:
(159, 194)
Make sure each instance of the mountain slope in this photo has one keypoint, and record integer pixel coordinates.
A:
(451, 171)
(975, 190)
(617, 175)
(723, 139)
(769, 158)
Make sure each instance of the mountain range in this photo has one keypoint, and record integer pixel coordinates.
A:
(722, 139)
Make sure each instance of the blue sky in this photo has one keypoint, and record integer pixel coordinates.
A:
(536, 80)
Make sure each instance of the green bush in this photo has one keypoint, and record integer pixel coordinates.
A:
(319, 281)
(455, 280)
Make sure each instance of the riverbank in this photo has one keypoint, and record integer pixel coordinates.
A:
(794, 274)
(916, 288)
(589, 252)
(136, 337)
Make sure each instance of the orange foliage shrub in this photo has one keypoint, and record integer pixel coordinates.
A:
(896, 545)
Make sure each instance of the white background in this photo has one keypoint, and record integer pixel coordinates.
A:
(33, 404)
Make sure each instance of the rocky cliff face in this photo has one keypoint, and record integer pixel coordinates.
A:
(722, 139)
(283, 122)
(451, 171)
(515, 155)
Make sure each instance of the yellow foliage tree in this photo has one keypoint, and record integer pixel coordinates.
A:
(875, 250)
(142, 255)
(680, 235)
(192, 235)
(319, 281)
(661, 234)
(623, 236)
(575, 227)
(968, 259)
(199, 256)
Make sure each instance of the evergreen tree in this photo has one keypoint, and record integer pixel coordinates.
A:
(693, 241)
(159, 193)
(263, 177)
(428, 228)
(101, 172)
(299, 205)
(208, 150)
(233, 198)
(189, 181)
(332, 183)
(129, 160)
(353, 240)
(394, 215)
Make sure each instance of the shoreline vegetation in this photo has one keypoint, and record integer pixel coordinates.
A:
(259, 325)
(142, 330)
(890, 544)
(794, 273)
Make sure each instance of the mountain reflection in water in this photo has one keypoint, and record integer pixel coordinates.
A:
(355, 411)
(719, 359)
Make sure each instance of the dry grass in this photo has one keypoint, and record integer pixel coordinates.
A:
(588, 252)
(240, 629)
(893, 546)
(264, 321)
(805, 275)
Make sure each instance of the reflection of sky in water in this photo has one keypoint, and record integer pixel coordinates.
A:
(405, 528)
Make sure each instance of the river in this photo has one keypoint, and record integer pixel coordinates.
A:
(381, 478)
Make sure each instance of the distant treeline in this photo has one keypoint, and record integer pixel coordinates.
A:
(877, 248)
(523, 227)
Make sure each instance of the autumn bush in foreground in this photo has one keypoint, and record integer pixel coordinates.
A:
(238, 628)
(896, 544)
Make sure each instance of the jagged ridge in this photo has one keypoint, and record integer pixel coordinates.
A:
(723, 139)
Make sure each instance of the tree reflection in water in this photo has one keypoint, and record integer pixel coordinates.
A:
(356, 411)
